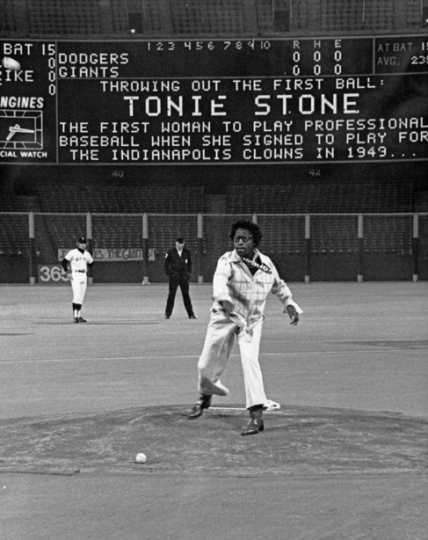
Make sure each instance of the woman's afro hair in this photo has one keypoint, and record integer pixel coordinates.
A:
(253, 228)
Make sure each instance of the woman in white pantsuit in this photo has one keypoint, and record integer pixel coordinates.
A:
(243, 279)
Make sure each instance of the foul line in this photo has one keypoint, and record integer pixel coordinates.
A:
(228, 409)
(174, 356)
(265, 411)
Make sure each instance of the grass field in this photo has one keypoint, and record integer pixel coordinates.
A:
(351, 379)
(360, 346)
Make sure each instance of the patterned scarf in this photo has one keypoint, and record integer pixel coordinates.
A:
(253, 264)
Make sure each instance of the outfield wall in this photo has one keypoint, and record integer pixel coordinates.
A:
(130, 248)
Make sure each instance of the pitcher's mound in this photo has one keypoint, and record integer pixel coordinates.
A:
(296, 440)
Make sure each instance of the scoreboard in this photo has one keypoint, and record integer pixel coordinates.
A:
(214, 102)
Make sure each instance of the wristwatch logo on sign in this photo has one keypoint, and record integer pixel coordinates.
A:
(17, 129)
(21, 130)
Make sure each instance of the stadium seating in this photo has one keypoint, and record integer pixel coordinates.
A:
(317, 197)
(388, 234)
(172, 209)
(163, 231)
(63, 230)
(205, 17)
(118, 231)
(8, 201)
(117, 212)
(14, 234)
(282, 234)
(98, 197)
(334, 234)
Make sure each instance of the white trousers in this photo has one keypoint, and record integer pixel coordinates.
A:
(79, 282)
(219, 341)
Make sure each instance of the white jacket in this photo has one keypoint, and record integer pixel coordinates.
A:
(234, 282)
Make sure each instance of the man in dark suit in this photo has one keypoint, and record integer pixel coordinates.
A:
(178, 267)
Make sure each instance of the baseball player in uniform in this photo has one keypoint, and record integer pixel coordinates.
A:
(242, 280)
(76, 264)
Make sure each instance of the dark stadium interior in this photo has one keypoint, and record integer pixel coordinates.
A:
(116, 195)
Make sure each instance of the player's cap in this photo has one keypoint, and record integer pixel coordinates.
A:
(180, 240)
(82, 240)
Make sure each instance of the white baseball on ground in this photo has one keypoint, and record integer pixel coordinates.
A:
(141, 458)
(10, 63)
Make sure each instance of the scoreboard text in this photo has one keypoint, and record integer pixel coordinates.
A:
(139, 102)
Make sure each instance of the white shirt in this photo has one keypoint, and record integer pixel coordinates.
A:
(79, 260)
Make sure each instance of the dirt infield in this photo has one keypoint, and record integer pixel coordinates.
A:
(297, 440)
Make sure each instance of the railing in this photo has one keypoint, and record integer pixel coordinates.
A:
(43, 238)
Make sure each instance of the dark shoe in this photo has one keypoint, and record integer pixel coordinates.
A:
(197, 410)
(76, 319)
(192, 316)
(81, 319)
(167, 316)
(254, 426)
(255, 423)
